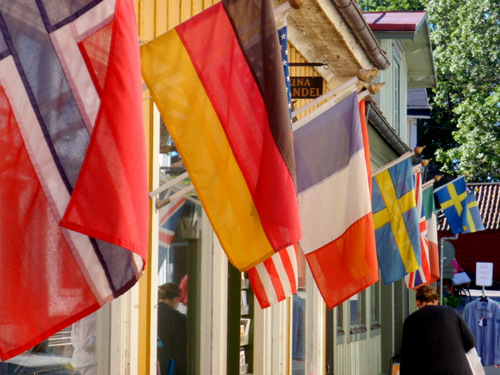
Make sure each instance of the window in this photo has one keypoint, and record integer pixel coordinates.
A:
(68, 352)
(179, 236)
(357, 322)
(374, 308)
(340, 323)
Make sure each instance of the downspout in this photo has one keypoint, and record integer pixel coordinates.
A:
(353, 16)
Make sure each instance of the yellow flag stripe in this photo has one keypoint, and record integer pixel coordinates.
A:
(197, 132)
(470, 220)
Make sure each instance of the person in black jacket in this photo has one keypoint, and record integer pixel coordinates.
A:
(435, 339)
(171, 330)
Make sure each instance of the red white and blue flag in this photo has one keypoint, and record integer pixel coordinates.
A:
(333, 185)
(169, 218)
(423, 274)
(74, 196)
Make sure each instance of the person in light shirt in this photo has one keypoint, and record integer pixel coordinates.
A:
(83, 341)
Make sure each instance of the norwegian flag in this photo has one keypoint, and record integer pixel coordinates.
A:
(423, 274)
(74, 197)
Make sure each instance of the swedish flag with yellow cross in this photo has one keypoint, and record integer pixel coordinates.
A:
(452, 199)
(471, 216)
(396, 221)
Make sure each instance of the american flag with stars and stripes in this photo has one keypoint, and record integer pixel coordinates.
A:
(276, 278)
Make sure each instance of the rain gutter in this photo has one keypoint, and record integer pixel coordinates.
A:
(380, 124)
(353, 16)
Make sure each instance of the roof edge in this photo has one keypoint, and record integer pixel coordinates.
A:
(352, 15)
(380, 124)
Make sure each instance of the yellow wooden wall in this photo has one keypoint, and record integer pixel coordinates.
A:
(294, 56)
(155, 17)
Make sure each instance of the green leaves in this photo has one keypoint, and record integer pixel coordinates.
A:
(463, 136)
(467, 57)
(381, 5)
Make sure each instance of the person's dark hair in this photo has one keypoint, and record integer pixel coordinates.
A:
(426, 293)
(169, 291)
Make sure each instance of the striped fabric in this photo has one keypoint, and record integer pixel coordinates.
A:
(73, 172)
(423, 274)
(276, 278)
(219, 85)
(432, 236)
(396, 221)
(169, 218)
(334, 200)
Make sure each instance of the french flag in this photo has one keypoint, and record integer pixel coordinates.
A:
(333, 186)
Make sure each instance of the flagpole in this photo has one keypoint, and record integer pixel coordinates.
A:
(405, 156)
(316, 112)
(363, 94)
(176, 188)
(326, 95)
(174, 196)
(443, 186)
(428, 184)
(281, 8)
(168, 184)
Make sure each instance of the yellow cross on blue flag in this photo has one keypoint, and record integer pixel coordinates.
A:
(451, 198)
(471, 217)
(396, 221)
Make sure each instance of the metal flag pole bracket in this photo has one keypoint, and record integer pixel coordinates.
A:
(171, 184)
(405, 156)
(180, 193)
(168, 184)
(280, 9)
(344, 87)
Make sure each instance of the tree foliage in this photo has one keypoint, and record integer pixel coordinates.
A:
(464, 132)
(382, 5)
